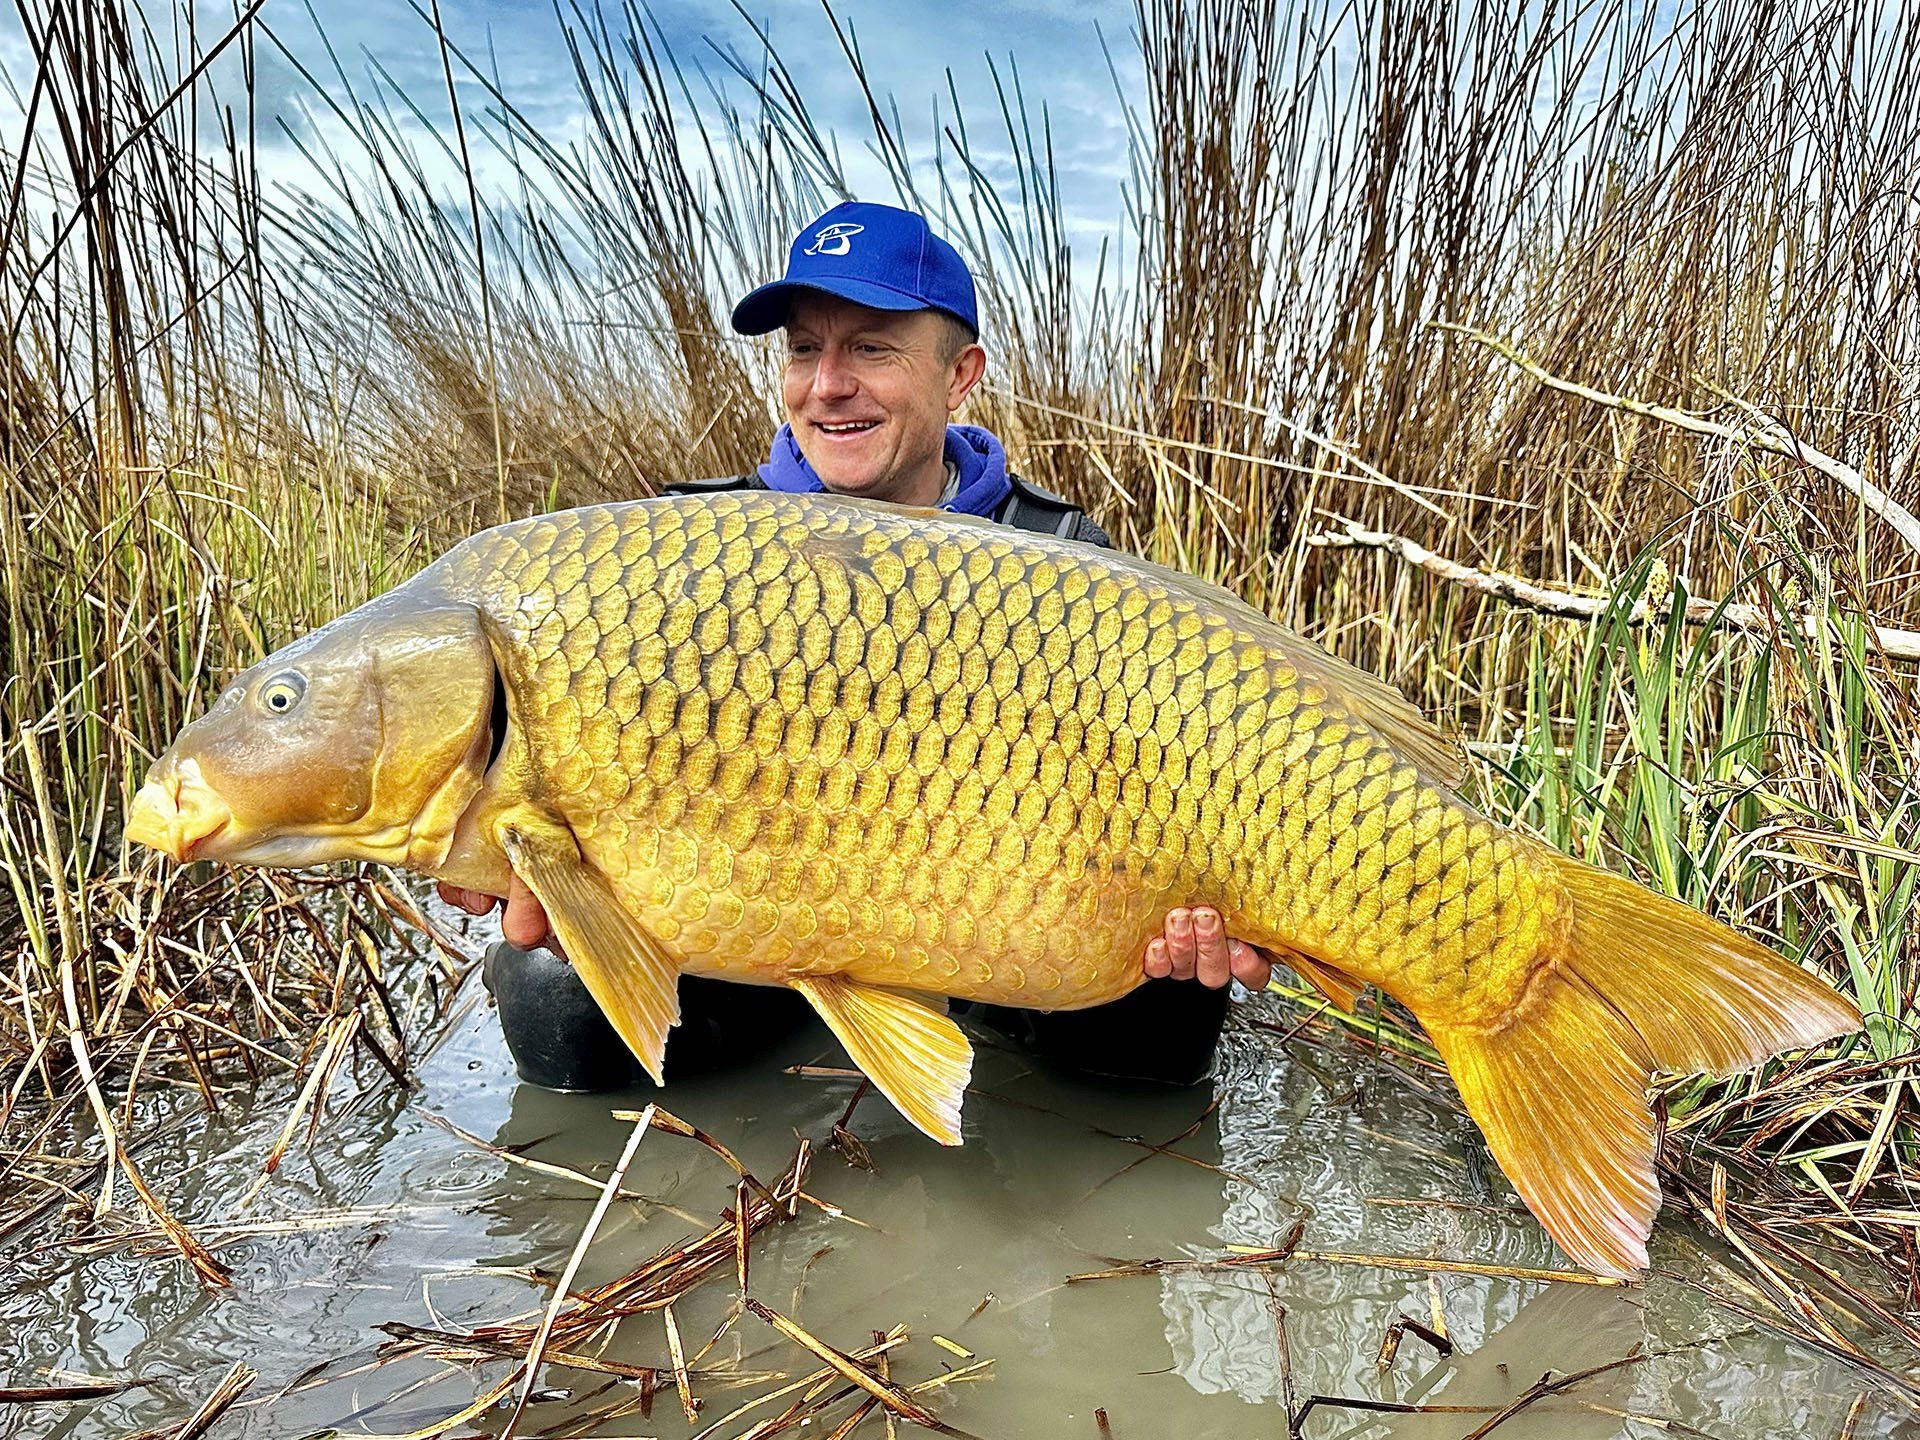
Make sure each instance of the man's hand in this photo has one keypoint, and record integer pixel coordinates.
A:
(524, 924)
(1196, 946)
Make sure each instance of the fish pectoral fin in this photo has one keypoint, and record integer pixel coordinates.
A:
(909, 1048)
(1331, 981)
(630, 976)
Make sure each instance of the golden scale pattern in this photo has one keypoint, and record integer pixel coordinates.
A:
(807, 737)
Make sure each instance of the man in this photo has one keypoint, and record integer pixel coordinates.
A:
(883, 347)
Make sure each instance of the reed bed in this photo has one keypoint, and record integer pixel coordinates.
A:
(1557, 364)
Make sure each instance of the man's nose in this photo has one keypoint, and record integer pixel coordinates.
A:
(833, 377)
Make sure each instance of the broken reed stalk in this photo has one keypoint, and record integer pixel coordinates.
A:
(1263, 1259)
(63, 1394)
(1406, 1325)
(1546, 1386)
(1895, 644)
(876, 1353)
(219, 1400)
(885, 1391)
(562, 1289)
(683, 1387)
(1757, 430)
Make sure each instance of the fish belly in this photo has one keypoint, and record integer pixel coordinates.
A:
(764, 916)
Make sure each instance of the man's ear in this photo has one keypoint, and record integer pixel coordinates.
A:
(968, 366)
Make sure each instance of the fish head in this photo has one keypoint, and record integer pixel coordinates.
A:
(361, 741)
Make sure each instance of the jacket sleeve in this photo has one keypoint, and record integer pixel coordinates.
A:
(715, 485)
(1088, 533)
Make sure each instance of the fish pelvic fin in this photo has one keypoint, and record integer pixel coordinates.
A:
(907, 1046)
(626, 970)
(1637, 984)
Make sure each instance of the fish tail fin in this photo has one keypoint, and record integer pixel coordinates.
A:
(1636, 984)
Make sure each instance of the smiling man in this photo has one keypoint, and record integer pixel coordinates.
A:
(882, 347)
(868, 393)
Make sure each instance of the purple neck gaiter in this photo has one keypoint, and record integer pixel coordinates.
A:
(975, 453)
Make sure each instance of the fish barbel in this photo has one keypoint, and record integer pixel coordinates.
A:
(880, 755)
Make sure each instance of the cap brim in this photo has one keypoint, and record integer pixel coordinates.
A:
(766, 308)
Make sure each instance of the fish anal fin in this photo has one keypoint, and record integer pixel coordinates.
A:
(626, 970)
(912, 1052)
(1331, 981)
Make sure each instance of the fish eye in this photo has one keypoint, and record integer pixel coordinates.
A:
(280, 693)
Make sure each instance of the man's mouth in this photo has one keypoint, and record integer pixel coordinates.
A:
(843, 428)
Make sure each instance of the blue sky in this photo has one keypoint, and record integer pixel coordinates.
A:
(909, 47)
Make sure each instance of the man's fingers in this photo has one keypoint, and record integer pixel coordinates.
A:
(474, 902)
(1211, 959)
(525, 923)
(1179, 937)
(1250, 966)
(1158, 966)
(1195, 946)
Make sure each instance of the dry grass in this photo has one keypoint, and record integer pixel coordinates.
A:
(225, 416)
(578, 1328)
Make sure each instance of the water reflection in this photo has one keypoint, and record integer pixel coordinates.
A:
(1383, 1172)
(434, 1231)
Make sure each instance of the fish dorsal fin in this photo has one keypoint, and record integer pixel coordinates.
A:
(630, 976)
(911, 1051)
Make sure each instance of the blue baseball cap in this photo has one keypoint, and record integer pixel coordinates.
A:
(874, 255)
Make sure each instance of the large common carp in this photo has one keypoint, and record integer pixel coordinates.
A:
(883, 756)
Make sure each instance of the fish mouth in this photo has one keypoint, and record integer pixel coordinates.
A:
(177, 812)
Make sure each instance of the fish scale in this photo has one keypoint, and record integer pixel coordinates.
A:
(878, 756)
(963, 765)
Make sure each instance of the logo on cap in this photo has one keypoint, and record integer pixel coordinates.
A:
(833, 239)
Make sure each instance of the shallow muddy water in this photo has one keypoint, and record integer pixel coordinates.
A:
(388, 1217)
